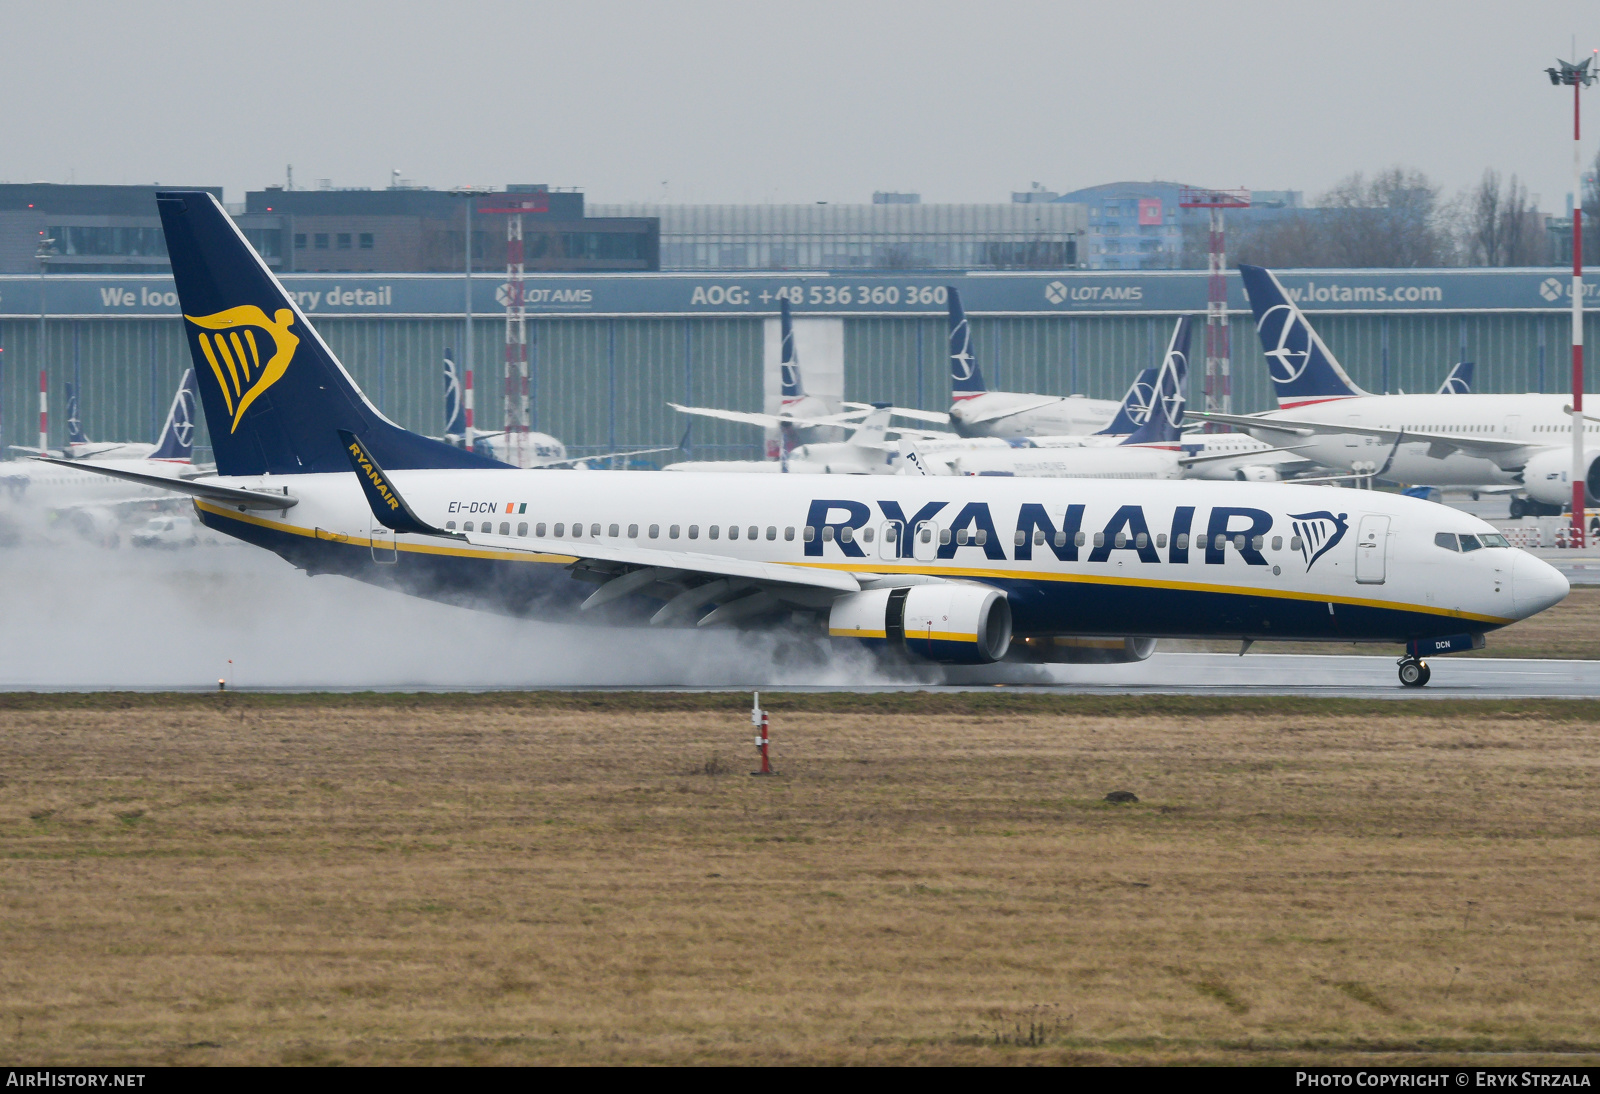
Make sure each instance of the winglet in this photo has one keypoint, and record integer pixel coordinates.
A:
(387, 504)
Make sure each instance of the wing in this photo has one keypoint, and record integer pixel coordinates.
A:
(570, 460)
(1439, 445)
(765, 421)
(1007, 411)
(688, 581)
(1215, 457)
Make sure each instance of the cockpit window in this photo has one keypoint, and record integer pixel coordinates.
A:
(1447, 540)
(1494, 539)
(1469, 543)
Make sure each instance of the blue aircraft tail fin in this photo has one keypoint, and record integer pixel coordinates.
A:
(965, 377)
(1459, 382)
(75, 434)
(789, 365)
(455, 404)
(1135, 406)
(1165, 420)
(274, 394)
(1303, 369)
(177, 435)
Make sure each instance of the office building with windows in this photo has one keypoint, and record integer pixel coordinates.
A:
(896, 232)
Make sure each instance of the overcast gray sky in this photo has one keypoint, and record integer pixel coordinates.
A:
(750, 102)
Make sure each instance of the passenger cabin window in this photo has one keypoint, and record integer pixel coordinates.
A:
(1099, 539)
(772, 532)
(449, 526)
(467, 527)
(1277, 543)
(847, 534)
(753, 532)
(539, 530)
(733, 531)
(788, 534)
(694, 531)
(827, 533)
(672, 533)
(505, 528)
(866, 535)
(1080, 539)
(944, 535)
(1295, 543)
(655, 531)
(633, 531)
(1447, 540)
(522, 529)
(594, 530)
(711, 533)
(811, 533)
(613, 530)
(561, 530)
(1161, 539)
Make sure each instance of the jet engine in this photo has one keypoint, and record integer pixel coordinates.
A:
(1257, 472)
(1548, 476)
(1063, 649)
(953, 623)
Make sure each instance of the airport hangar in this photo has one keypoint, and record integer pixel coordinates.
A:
(608, 351)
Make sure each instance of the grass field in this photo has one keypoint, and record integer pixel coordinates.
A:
(933, 878)
(1570, 630)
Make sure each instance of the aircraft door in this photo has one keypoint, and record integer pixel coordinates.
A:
(383, 549)
(925, 544)
(889, 539)
(1513, 425)
(1372, 546)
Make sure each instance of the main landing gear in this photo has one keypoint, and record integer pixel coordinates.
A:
(1414, 672)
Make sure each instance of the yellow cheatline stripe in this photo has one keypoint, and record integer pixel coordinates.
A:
(362, 541)
(1156, 583)
(1091, 579)
(940, 636)
(255, 354)
(205, 347)
(238, 351)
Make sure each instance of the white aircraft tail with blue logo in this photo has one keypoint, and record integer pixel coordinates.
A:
(1459, 382)
(176, 442)
(1304, 370)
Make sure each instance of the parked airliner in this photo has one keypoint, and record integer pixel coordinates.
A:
(1438, 440)
(953, 570)
(975, 411)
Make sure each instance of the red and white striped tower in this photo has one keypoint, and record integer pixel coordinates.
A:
(516, 392)
(467, 409)
(44, 410)
(1219, 379)
(1579, 76)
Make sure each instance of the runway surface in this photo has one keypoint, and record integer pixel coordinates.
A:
(85, 619)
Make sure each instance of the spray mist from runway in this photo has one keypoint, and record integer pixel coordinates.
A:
(78, 616)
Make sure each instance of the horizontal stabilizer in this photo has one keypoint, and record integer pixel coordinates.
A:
(227, 495)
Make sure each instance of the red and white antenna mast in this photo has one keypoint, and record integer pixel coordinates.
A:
(1219, 382)
(516, 395)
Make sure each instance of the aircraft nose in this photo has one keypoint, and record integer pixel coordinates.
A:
(1536, 585)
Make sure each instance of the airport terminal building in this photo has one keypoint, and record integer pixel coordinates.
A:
(608, 351)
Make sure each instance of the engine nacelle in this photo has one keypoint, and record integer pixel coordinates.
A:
(952, 623)
(1062, 649)
(1548, 476)
(1257, 472)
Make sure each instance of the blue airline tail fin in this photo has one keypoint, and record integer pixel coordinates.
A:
(789, 367)
(1303, 369)
(455, 405)
(1459, 382)
(274, 394)
(1165, 420)
(75, 433)
(1135, 406)
(177, 435)
(965, 377)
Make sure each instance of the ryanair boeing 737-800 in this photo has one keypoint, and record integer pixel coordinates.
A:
(953, 570)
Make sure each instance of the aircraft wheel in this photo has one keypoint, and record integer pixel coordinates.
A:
(1427, 674)
(1518, 510)
(1413, 673)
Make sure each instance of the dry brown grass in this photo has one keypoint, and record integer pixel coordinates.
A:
(559, 879)
(1570, 630)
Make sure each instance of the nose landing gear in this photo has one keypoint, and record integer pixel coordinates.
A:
(1414, 672)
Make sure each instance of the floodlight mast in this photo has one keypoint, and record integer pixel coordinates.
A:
(1219, 381)
(1578, 76)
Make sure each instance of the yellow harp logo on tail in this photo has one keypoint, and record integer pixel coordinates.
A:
(247, 352)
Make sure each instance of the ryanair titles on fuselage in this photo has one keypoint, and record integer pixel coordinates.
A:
(839, 522)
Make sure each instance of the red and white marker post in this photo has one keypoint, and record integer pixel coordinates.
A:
(758, 719)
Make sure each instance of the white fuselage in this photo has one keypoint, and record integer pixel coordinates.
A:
(1536, 420)
(986, 414)
(1076, 556)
